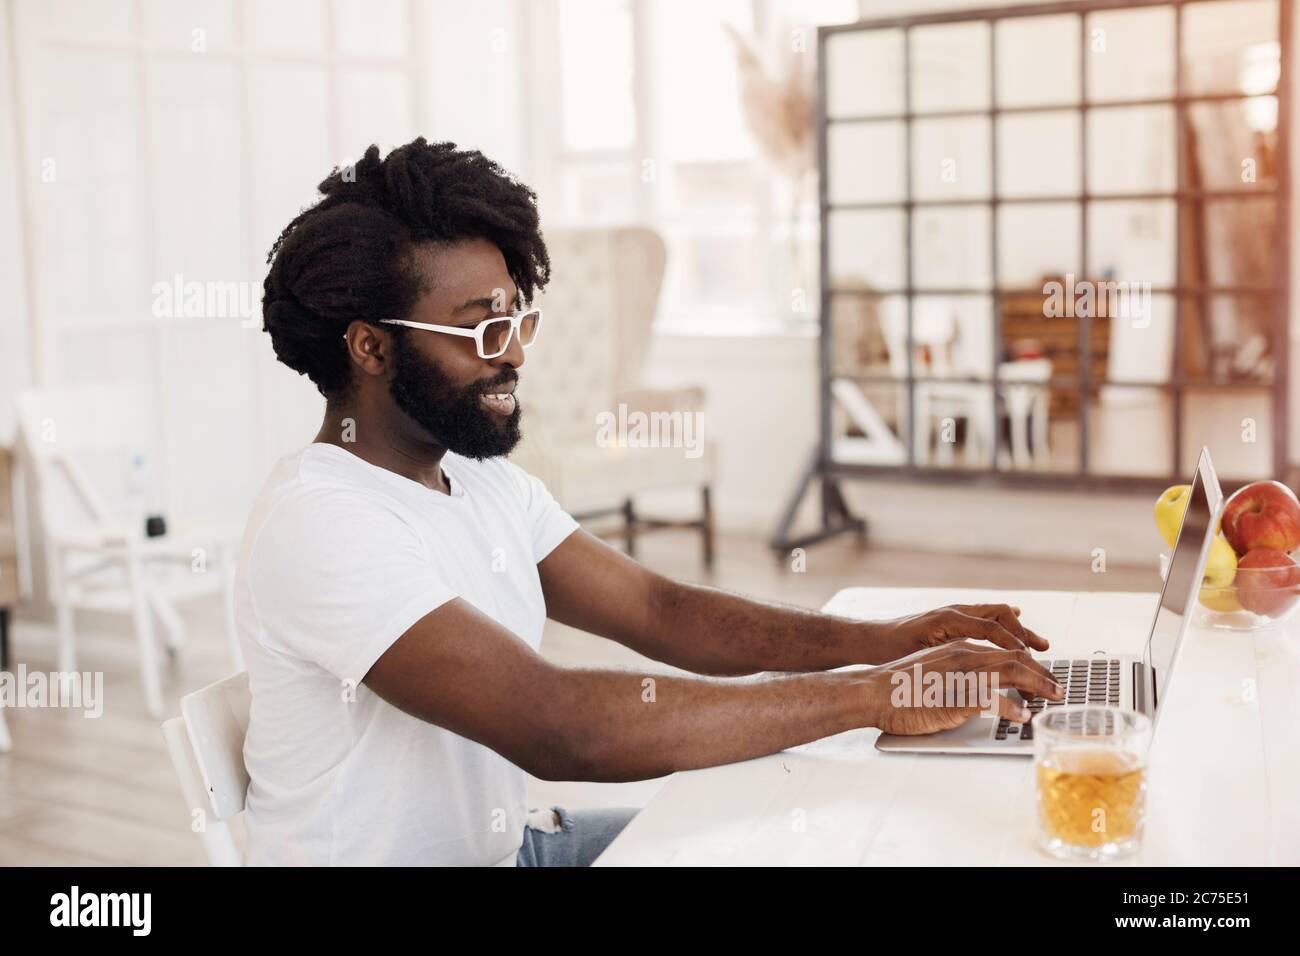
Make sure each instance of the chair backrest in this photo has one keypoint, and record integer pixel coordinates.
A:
(640, 258)
(216, 719)
(81, 440)
(85, 417)
(954, 332)
(600, 311)
(206, 744)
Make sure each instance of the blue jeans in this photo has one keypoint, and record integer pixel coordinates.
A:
(557, 837)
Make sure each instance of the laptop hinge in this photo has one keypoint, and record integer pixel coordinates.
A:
(1141, 686)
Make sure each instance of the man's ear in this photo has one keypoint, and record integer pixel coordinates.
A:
(368, 347)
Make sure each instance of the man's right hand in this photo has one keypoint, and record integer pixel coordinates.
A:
(941, 688)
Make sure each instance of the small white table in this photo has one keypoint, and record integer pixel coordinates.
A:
(1224, 770)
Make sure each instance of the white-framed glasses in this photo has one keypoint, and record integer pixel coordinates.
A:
(492, 336)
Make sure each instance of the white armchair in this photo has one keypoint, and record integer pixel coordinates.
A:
(600, 310)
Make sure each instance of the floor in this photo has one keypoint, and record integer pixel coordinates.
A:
(78, 791)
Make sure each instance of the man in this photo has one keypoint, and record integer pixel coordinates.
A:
(395, 574)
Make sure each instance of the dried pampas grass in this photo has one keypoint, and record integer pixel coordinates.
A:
(778, 106)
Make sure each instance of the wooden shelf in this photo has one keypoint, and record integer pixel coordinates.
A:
(1022, 320)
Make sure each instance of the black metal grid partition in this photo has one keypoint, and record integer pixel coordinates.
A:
(1188, 289)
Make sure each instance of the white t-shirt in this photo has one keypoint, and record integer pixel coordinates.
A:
(339, 559)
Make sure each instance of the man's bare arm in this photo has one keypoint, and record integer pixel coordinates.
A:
(463, 671)
(592, 586)
(460, 669)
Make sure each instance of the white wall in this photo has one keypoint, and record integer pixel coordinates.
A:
(170, 158)
(15, 340)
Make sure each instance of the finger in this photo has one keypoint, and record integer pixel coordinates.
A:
(1009, 617)
(1030, 682)
(1031, 638)
(986, 629)
(986, 610)
(972, 654)
(1035, 640)
(975, 657)
(1012, 710)
(1028, 660)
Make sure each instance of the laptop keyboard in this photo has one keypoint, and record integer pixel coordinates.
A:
(1087, 681)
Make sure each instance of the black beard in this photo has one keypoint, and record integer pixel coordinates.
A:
(452, 416)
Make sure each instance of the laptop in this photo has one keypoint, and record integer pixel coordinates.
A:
(1137, 683)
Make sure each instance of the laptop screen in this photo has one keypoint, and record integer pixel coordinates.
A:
(1182, 581)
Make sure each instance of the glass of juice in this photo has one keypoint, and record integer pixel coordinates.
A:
(1091, 767)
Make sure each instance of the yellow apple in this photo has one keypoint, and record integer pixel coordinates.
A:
(1170, 507)
(1220, 569)
(1220, 600)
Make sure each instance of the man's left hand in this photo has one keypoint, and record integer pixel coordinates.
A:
(996, 623)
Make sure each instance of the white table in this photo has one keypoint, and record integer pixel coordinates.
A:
(1224, 771)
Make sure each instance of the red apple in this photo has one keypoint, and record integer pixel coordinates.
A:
(1267, 582)
(1264, 514)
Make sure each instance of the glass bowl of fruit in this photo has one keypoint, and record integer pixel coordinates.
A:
(1251, 579)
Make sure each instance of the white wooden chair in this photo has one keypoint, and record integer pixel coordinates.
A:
(79, 441)
(206, 745)
(937, 328)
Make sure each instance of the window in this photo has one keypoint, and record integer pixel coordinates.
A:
(653, 129)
